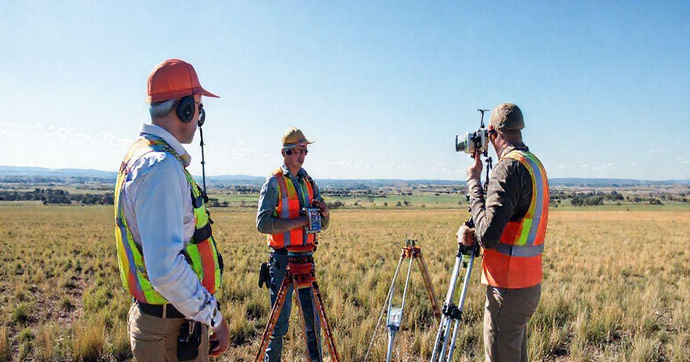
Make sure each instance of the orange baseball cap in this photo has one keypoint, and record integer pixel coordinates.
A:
(174, 78)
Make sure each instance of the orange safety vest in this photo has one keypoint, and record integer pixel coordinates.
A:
(516, 261)
(289, 207)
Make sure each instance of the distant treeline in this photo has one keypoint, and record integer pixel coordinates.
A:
(598, 198)
(60, 197)
(55, 180)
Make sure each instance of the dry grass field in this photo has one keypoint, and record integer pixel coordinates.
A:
(617, 284)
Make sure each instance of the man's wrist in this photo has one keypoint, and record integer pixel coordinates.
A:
(216, 320)
(473, 183)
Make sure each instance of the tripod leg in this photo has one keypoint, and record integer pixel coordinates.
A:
(451, 348)
(273, 319)
(389, 351)
(444, 327)
(385, 304)
(297, 291)
(395, 315)
(407, 283)
(318, 304)
(461, 304)
(446, 338)
(429, 286)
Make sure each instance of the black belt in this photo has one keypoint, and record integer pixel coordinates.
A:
(159, 310)
(284, 251)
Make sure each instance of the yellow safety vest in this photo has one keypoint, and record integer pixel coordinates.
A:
(201, 252)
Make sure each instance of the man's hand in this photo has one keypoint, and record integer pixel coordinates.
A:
(323, 207)
(474, 172)
(219, 339)
(465, 235)
(284, 225)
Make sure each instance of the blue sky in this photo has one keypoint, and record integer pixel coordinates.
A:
(383, 87)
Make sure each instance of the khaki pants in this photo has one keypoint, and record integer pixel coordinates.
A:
(505, 322)
(155, 339)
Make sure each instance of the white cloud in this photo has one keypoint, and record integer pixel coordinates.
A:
(606, 167)
(41, 133)
(579, 165)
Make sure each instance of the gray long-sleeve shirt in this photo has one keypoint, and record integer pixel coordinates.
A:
(507, 199)
(268, 200)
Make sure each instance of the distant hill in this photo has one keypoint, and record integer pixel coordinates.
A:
(12, 174)
(47, 172)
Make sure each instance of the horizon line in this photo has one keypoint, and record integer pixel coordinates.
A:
(352, 179)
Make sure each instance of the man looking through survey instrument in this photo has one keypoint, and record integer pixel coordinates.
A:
(510, 223)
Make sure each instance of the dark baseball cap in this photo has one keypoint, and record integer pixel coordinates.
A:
(507, 117)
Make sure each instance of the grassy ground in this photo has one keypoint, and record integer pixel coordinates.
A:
(617, 284)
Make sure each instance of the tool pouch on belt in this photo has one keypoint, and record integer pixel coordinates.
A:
(189, 340)
(264, 275)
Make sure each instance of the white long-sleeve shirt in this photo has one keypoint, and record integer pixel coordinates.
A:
(158, 208)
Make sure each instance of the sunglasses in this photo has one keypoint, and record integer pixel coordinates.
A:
(289, 152)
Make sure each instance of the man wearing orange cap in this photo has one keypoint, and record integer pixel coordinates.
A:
(168, 257)
(283, 196)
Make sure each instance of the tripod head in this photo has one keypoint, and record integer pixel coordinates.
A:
(481, 121)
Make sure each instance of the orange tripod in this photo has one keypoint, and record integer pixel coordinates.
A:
(300, 274)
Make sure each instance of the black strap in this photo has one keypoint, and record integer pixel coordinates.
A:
(202, 233)
(157, 310)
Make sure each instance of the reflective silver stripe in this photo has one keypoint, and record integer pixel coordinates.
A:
(520, 250)
(286, 239)
(285, 210)
(283, 191)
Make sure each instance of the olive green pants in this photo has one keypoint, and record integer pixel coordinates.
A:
(506, 316)
(155, 339)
